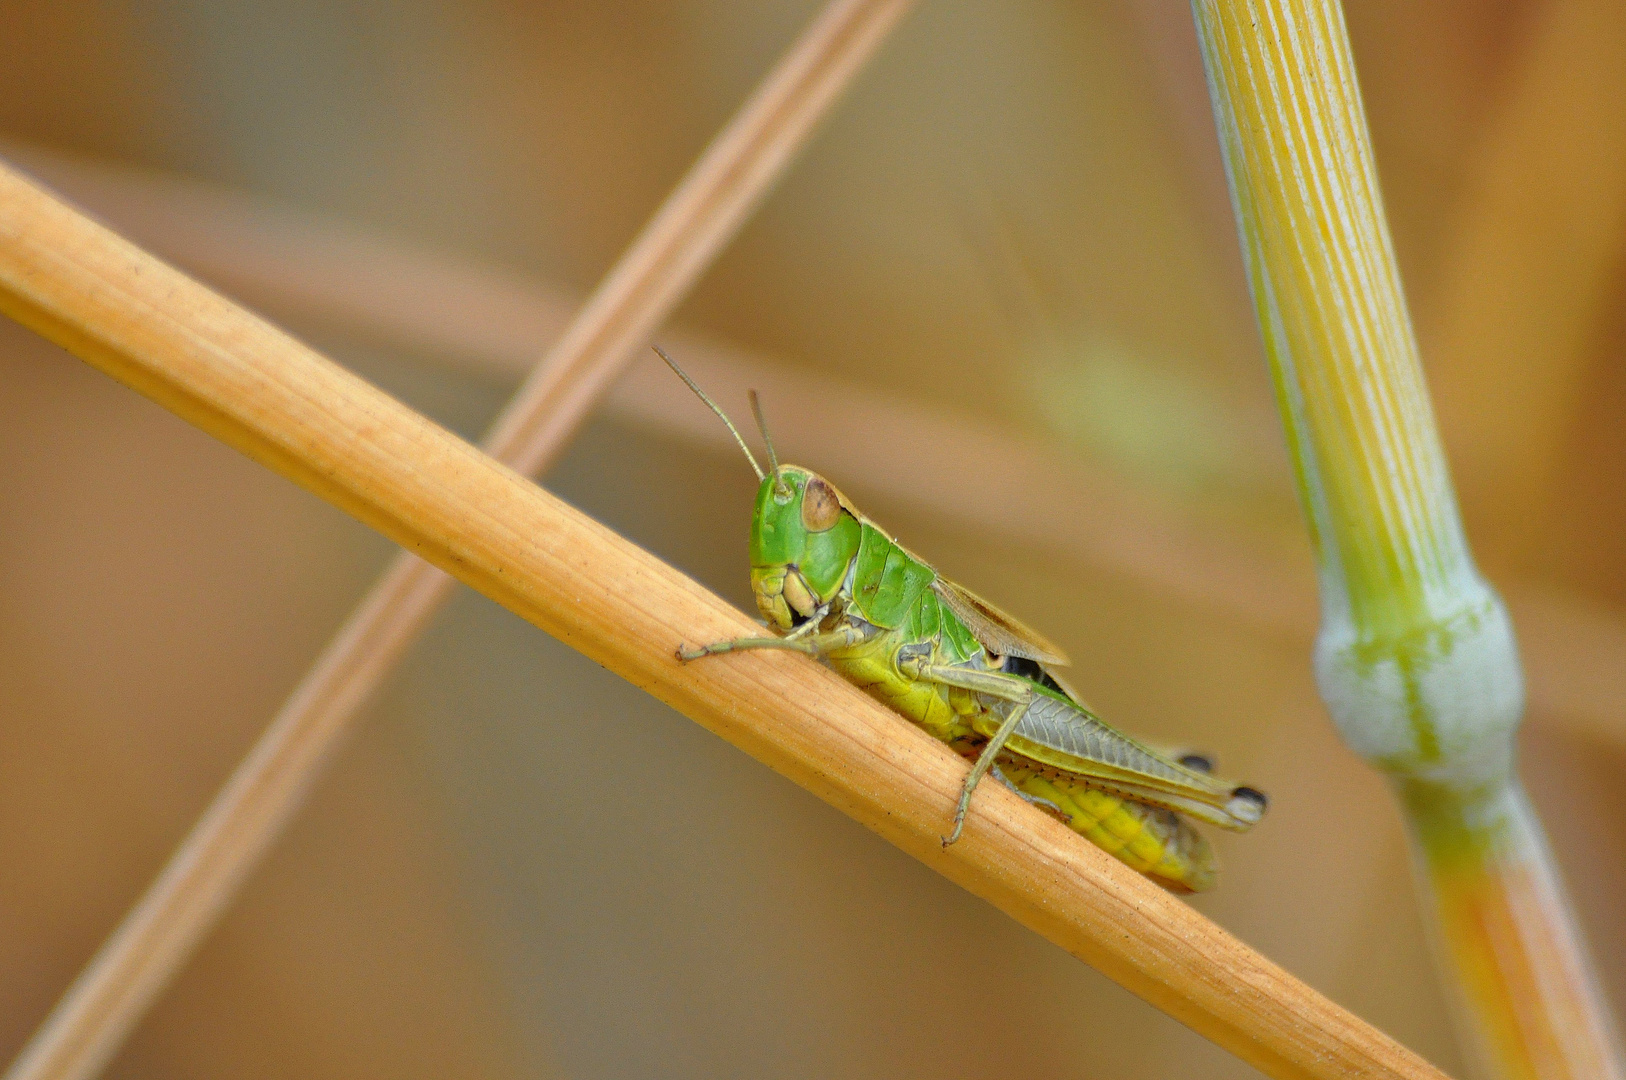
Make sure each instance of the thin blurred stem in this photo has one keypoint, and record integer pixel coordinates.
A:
(1415, 658)
(739, 167)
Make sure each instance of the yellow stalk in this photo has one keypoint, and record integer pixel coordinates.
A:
(1415, 658)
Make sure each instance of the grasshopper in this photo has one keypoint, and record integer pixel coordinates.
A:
(833, 584)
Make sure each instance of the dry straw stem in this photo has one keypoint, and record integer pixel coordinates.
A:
(277, 401)
(1415, 658)
(736, 171)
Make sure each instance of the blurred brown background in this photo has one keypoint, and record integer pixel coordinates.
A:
(526, 868)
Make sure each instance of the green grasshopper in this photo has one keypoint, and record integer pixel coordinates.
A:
(834, 585)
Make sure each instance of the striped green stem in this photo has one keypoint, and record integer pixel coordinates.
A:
(1416, 657)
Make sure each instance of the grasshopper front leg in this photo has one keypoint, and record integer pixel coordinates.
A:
(800, 640)
(991, 683)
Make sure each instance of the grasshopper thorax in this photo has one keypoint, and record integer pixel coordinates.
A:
(804, 536)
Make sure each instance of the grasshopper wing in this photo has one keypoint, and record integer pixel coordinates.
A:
(998, 632)
(1066, 736)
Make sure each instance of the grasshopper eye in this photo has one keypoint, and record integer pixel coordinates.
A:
(820, 507)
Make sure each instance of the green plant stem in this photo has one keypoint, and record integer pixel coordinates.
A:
(1488, 882)
(1416, 658)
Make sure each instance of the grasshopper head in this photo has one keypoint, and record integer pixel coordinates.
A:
(803, 537)
(804, 534)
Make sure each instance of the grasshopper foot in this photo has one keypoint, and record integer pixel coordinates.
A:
(716, 648)
(960, 810)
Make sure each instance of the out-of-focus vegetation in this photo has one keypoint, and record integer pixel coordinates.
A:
(526, 867)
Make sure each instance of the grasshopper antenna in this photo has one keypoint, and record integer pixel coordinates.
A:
(762, 426)
(712, 405)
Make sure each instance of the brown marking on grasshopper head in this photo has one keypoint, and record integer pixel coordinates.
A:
(821, 506)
